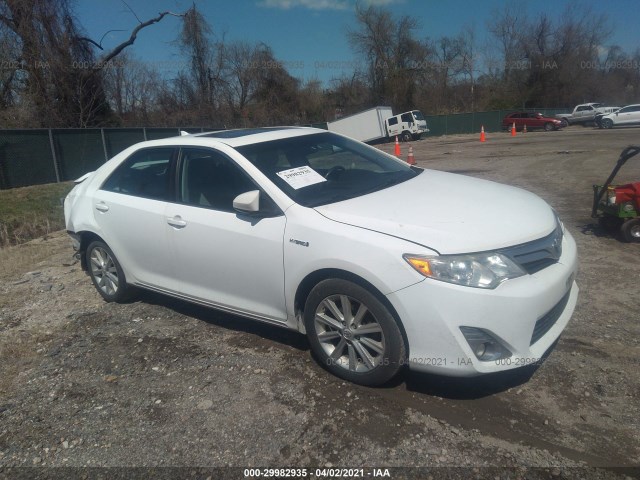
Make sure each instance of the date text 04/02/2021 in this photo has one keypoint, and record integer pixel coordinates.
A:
(317, 472)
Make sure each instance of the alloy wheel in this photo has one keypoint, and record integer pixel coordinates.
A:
(103, 269)
(349, 333)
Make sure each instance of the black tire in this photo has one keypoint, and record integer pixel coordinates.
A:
(565, 122)
(607, 123)
(106, 273)
(406, 136)
(631, 230)
(548, 126)
(610, 224)
(365, 346)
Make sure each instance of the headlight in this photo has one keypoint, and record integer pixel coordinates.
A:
(481, 270)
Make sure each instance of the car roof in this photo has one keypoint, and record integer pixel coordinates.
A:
(242, 132)
(245, 136)
(236, 137)
(520, 113)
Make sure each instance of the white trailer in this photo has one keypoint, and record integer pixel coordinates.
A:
(365, 126)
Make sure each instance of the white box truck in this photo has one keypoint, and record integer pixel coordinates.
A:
(379, 123)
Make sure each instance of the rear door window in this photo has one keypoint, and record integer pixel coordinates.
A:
(146, 173)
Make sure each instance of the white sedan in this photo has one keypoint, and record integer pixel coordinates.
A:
(381, 264)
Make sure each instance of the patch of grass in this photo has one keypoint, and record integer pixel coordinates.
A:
(30, 212)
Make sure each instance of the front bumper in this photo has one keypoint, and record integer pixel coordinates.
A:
(526, 315)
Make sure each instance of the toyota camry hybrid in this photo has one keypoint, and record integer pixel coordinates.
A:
(381, 264)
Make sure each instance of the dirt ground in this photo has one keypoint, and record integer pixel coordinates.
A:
(159, 382)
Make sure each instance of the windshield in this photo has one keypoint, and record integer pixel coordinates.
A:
(417, 114)
(325, 168)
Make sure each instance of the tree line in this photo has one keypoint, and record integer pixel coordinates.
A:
(53, 75)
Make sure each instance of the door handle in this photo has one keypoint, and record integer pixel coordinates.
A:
(102, 207)
(176, 222)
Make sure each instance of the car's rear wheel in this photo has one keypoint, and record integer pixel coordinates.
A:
(631, 230)
(607, 123)
(352, 333)
(106, 273)
(548, 126)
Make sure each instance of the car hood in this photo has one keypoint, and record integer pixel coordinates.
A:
(449, 213)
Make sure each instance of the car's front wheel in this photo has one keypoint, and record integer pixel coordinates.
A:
(548, 126)
(607, 123)
(352, 333)
(564, 122)
(106, 273)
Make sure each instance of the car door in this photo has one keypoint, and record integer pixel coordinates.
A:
(628, 115)
(130, 208)
(392, 126)
(535, 120)
(232, 260)
(528, 119)
(585, 112)
(512, 119)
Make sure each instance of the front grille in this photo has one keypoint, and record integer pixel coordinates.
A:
(539, 254)
(544, 324)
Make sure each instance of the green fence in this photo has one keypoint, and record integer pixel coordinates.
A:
(31, 157)
(472, 122)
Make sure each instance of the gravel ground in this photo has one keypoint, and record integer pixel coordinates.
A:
(158, 382)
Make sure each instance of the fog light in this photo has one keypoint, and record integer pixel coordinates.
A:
(480, 350)
(484, 345)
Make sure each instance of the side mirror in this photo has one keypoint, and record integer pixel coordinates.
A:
(248, 202)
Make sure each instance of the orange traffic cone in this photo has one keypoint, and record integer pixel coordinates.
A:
(410, 158)
(483, 138)
(397, 151)
(513, 130)
(524, 130)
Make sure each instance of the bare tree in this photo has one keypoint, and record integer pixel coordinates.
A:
(62, 78)
(347, 95)
(391, 51)
(132, 88)
(195, 41)
(241, 63)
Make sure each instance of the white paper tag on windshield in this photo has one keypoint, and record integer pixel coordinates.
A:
(301, 177)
